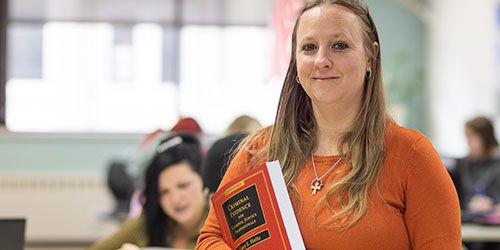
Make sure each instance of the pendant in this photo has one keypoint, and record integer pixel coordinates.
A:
(316, 185)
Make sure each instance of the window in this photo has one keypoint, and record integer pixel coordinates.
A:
(90, 66)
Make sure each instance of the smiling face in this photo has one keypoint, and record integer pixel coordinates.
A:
(181, 194)
(331, 58)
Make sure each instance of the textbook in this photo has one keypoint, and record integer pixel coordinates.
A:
(254, 210)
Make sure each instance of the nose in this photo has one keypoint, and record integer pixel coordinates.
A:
(323, 59)
(175, 196)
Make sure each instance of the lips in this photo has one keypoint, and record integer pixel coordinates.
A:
(325, 78)
(180, 210)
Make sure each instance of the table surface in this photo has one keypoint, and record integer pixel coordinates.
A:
(477, 232)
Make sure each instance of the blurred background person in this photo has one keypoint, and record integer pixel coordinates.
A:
(476, 176)
(184, 125)
(217, 159)
(124, 177)
(174, 204)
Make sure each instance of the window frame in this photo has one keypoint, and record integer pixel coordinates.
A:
(4, 11)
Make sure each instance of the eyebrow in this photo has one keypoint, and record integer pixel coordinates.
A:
(335, 36)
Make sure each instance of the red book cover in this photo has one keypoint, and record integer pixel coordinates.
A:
(254, 210)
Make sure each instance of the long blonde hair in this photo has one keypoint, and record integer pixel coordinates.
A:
(292, 137)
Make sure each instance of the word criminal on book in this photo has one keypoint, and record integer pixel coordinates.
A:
(254, 210)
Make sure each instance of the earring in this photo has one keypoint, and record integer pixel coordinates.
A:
(206, 192)
(297, 79)
(369, 73)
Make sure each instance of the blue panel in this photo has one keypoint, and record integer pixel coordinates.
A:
(498, 15)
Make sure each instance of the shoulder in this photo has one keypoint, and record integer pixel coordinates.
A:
(412, 161)
(408, 142)
(131, 231)
(397, 136)
(409, 147)
(135, 224)
(258, 139)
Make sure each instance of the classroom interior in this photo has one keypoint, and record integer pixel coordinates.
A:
(82, 82)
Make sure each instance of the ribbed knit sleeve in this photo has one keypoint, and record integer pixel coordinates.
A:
(432, 211)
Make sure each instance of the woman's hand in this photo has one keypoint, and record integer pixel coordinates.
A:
(129, 246)
(480, 204)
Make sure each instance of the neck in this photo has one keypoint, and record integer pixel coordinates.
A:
(189, 228)
(488, 154)
(185, 232)
(493, 152)
(332, 124)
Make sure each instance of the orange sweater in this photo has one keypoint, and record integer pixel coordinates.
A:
(419, 207)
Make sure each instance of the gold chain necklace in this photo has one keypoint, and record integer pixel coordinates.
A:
(316, 183)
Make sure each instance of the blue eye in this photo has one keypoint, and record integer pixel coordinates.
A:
(340, 46)
(308, 47)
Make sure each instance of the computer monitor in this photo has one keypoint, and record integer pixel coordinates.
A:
(12, 233)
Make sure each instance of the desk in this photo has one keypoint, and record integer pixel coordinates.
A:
(484, 233)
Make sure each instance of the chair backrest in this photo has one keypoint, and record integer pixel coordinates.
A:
(12, 233)
(122, 186)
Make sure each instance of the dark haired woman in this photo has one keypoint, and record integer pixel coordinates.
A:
(477, 176)
(175, 205)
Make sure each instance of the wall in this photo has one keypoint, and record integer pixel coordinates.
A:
(461, 68)
(58, 183)
(54, 153)
(403, 44)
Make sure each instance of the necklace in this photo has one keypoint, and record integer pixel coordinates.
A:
(316, 183)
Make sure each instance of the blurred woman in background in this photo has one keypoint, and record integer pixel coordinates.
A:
(477, 174)
(477, 177)
(174, 206)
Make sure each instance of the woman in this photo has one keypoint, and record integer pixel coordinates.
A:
(383, 186)
(175, 205)
(477, 175)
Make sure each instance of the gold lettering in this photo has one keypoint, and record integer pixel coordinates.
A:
(238, 202)
(245, 226)
(239, 210)
(250, 217)
(254, 239)
(237, 225)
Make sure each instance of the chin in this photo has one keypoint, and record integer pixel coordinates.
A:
(182, 220)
